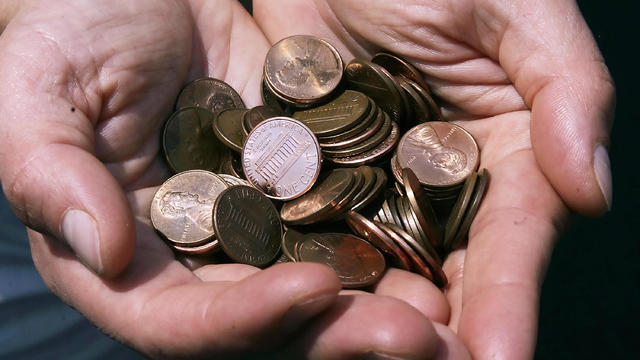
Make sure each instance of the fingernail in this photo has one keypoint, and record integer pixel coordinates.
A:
(602, 168)
(305, 310)
(81, 232)
(380, 356)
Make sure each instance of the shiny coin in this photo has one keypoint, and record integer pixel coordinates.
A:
(247, 225)
(357, 263)
(181, 208)
(392, 202)
(422, 207)
(188, 142)
(364, 145)
(378, 84)
(369, 180)
(290, 241)
(228, 128)
(441, 154)
(342, 206)
(418, 232)
(474, 204)
(374, 192)
(397, 66)
(372, 232)
(321, 200)
(303, 68)
(234, 180)
(258, 114)
(205, 248)
(211, 94)
(459, 209)
(281, 157)
(418, 264)
(372, 155)
(342, 113)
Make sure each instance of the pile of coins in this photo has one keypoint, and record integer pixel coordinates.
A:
(317, 157)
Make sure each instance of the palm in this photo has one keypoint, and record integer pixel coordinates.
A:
(494, 281)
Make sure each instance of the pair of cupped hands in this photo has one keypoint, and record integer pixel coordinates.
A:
(86, 86)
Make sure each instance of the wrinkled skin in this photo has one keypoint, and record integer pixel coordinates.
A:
(85, 89)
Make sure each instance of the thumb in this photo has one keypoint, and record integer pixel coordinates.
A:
(47, 168)
(556, 65)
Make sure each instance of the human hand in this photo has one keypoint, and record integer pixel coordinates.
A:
(85, 89)
(527, 80)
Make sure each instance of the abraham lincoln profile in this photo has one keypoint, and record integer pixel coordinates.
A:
(187, 209)
(449, 159)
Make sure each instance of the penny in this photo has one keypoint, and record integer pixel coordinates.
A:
(320, 201)
(211, 94)
(283, 259)
(421, 206)
(376, 190)
(459, 209)
(356, 262)
(289, 241)
(258, 114)
(474, 204)
(396, 171)
(188, 142)
(234, 180)
(372, 155)
(369, 180)
(440, 154)
(340, 114)
(407, 221)
(372, 232)
(364, 145)
(435, 114)
(372, 128)
(386, 211)
(420, 109)
(281, 157)
(420, 235)
(343, 205)
(397, 66)
(181, 208)
(228, 128)
(206, 248)
(438, 276)
(418, 264)
(303, 68)
(378, 84)
(247, 225)
(270, 99)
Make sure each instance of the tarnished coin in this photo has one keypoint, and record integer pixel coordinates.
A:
(338, 115)
(290, 241)
(234, 180)
(270, 99)
(247, 225)
(418, 231)
(321, 200)
(181, 208)
(343, 205)
(211, 94)
(369, 179)
(303, 68)
(472, 210)
(441, 154)
(421, 206)
(258, 114)
(418, 264)
(372, 155)
(227, 126)
(420, 109)
(372, 232)
(188, 142)
(435, 114)
(459, 209)
(397, 66)
(374, 122)
(374, 192)
(357, 263)
(378, 84)
(205, 248)
(281, 157)
(364, 145)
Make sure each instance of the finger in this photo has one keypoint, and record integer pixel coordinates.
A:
(366, 326)
(565, 82)
(416, 291)
(450, 346)
(182, 315)
(453, 267)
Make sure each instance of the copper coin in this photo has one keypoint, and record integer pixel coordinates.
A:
(303, 68)
(321, 200)
(420, 235)
(396, 171)
(188, 142)
(342, 206)
(232, 180)
(211, 94)
(181, 208)
(408, 222)
(205, 248)
(372, 128)
(422, 207)
(340, 114)
(228, 128)
(258, 114)
(435, 114)
(420, 109)
(459, 209)
(376, 190)
(357, 263)
(247, 225)
(378, 84)
(372, 155)
(270, 99)
(441, 154)
(438, 276)
(369, 180)
(418, 264)
(397, 66)
(281, 157)
(364, 145)
(372, 232)
(478, 195)
(387, 211)
(290, 239)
